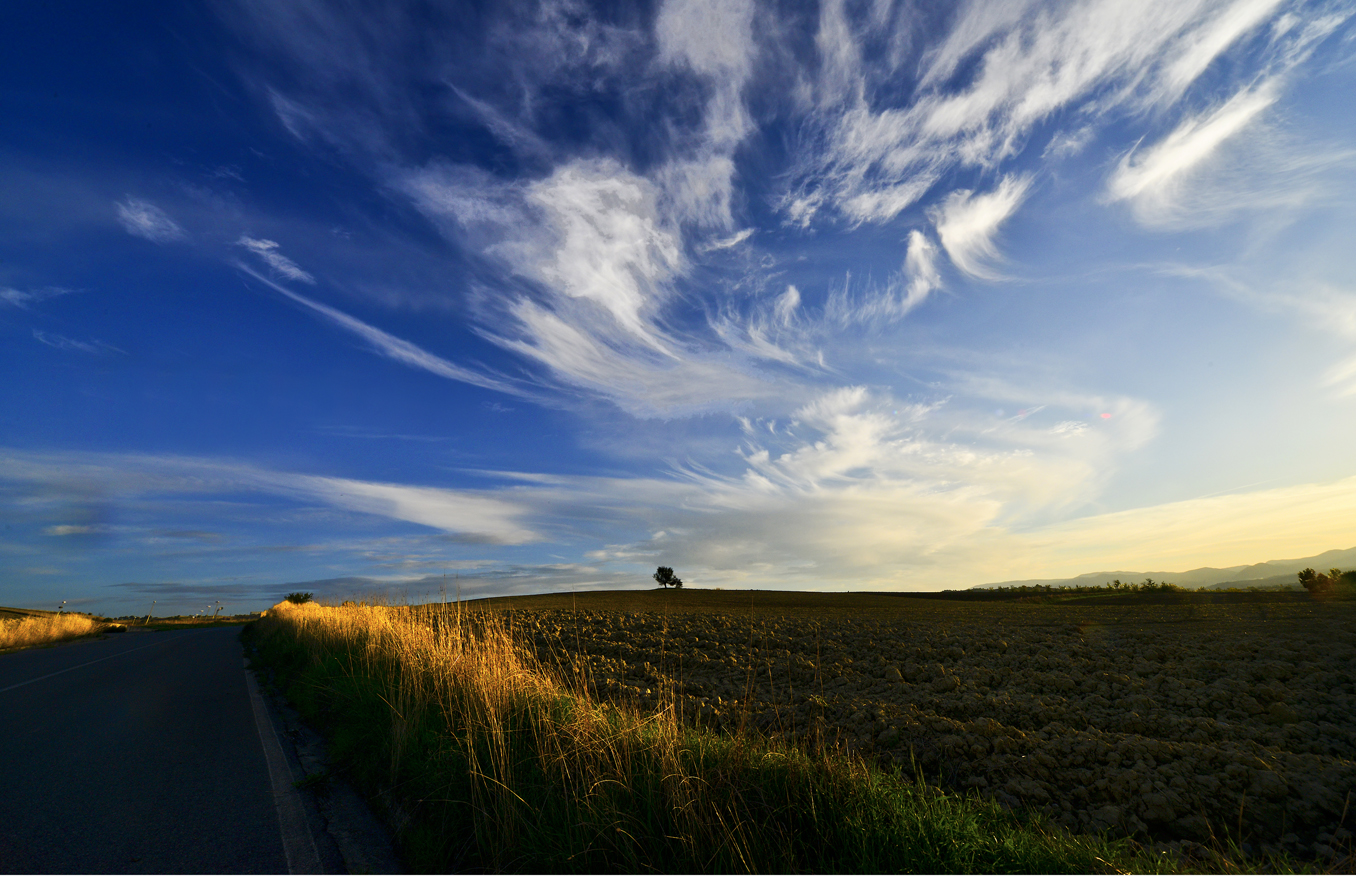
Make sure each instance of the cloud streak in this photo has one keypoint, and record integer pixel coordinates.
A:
(388, 345)
(26, 299)
(61, 342)
(1151, 182)
(144, 219)
(472, 516)
(267, 250)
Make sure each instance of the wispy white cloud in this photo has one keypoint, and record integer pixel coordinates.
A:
(640, 381)
(510, 131)
(601, 256)
(876, 304)
(462, 199)
(1152, 181)
(1229, 163)
(1201, 45)
(25, 299)
(597, 256)
(590, 234)
(64, 343)
(75, 529)
(475, 516)
(967, 223)
(775, 330)
(388, 345)
(715, 39)
(698, 191)
(294, 117)
(470, 515)
(144, 219)
(267, 250)
(603, 241)
(875, 155)
(729, 242)
(355, 80)
(1069, 143)
(920, 265)
(1342, 377)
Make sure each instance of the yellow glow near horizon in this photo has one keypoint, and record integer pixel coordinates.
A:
(1229, 530)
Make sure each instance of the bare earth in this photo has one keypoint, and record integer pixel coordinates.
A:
(1164, 721)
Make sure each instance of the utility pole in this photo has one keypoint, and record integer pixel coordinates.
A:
(151, 612)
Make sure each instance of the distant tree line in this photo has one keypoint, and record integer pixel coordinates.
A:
(1148, 585)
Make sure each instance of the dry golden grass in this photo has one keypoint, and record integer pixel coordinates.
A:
(29, 631)
(473, 670)
(510, 764)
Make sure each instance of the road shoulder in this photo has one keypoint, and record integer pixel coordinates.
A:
(349, 837)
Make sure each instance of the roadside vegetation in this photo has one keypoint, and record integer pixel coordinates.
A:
(489, 759)
(42, 629)
(30, 628)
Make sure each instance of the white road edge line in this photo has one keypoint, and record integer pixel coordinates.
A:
(82, 665)
(298, 844)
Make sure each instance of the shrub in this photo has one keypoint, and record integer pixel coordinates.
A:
(299, 598)
(1322, 585)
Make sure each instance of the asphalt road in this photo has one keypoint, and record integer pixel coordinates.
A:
(139, 753)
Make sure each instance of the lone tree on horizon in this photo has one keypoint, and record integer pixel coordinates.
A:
(664, 575)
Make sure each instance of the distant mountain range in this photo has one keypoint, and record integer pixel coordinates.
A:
(1269, 575)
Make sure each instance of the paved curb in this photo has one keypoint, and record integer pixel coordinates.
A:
(349, 837)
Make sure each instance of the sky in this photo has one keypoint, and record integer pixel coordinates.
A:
(537, 296)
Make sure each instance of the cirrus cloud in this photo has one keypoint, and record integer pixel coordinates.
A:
(144, 219)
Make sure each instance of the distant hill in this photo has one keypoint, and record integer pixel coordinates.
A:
(1272, 574)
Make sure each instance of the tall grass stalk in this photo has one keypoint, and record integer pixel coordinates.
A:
(494, 761)
(39, 630)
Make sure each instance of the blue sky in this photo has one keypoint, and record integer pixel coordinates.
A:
(543, 295)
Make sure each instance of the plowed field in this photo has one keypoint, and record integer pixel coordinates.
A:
(1170, 721)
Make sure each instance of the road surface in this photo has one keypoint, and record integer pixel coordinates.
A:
(143, 753)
